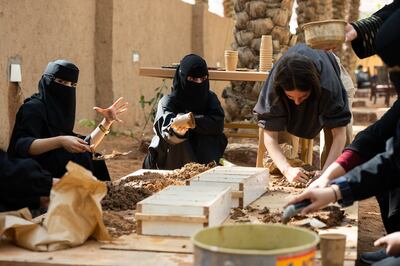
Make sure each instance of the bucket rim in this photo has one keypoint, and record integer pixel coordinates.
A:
(275, 252)
(322, 22)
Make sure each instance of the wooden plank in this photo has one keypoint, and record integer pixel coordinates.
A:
(261, 148)
(235, 170)
(170, 218)
(241, 125)
(241, 135)
(212, 74)
(88, 254)
(251, 182)
(237, 194)
(152, 243)
(180, 210)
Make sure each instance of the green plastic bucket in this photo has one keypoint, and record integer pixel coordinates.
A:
(254, 244)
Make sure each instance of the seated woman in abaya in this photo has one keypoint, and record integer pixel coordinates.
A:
(44, 124)
(203, 141)
(23, 183)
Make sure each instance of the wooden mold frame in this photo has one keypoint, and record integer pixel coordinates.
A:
(183, 210)
(247, 183)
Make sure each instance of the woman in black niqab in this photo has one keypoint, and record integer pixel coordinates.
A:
(171, 149)
(44, 124)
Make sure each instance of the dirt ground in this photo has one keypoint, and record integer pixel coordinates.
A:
(370, 225)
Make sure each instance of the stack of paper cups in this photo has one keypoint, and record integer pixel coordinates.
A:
(231, 60)
(266, 53)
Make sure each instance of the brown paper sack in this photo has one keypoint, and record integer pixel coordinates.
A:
(73, 216)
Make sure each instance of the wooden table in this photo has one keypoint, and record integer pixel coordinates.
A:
(92, 254)
(159, 72)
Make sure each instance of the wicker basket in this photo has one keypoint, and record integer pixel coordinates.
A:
(325, 34)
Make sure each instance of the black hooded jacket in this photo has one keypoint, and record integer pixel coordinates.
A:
(51, 113)
(203, 144)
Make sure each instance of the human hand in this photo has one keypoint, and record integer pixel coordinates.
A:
(319, 197)
(295, 174)
(180, 131)
(392, 243)
(74, 144)
(350, 32)
(319, 182)
(111, 113)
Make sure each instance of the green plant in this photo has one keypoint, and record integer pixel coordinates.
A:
(87, 123)
(151, 104)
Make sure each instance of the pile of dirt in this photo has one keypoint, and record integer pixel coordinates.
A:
(267, 216)
(125, 193)
(122, 197)
(331, 216)
(117, 223)
(281, 181)
(151, 181)
(189, 170)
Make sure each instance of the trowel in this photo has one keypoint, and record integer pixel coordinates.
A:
(294, 209)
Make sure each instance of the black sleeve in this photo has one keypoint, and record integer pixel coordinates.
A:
(23, 178)
(29, 125)
(372, 140)
(164, 117)
(270, 109)
(336, 108)
(364, 45)
(211, 123)
(377, 175)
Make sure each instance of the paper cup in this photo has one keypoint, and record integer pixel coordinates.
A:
(333, 247)
(231, 60)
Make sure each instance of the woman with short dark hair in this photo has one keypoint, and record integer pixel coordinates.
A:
(303, 94)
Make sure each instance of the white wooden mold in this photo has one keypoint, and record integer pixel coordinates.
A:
(182, 210)
(247, 183)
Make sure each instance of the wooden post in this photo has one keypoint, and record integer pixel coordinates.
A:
(261, 148)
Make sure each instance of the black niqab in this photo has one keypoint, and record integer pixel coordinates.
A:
(60, 100)
(191, 96)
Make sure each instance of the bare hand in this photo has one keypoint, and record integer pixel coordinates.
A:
(350, 32)
(112, 112)
(320, 182)
(319, 197)
(74, 144)
(295, 174)
(392, 243)
(180, 131)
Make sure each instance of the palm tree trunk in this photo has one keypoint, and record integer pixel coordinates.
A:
(254, 18)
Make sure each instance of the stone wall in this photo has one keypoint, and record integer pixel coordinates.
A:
(252, 20)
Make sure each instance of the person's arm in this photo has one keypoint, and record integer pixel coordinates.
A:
(372, 178)
(346, 162)
(70, 143)
(292, 174)
(362, 33)
(319, 197)
(110, 115)
(338, 143)
(211, 123)
(163, 120)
